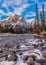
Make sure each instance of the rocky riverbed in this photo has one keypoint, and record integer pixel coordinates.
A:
(22, 49)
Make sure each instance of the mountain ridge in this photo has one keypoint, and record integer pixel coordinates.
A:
(18, 20)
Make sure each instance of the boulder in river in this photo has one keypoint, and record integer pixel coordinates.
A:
(40, 60)
(25, 58)
(11, 51)
(1, 50)
(2, 59)
(30, 61)
(43, 53)
(12, 58)
(26, 55)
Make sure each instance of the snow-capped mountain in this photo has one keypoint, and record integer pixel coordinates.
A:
(14, 20)
(18, 21)
(31, 22)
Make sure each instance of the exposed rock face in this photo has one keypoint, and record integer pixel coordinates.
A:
(13, 21)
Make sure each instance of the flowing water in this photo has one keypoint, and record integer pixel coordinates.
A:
(21, 39)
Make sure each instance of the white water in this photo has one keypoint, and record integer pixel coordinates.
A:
(7, 63)
(20, 61)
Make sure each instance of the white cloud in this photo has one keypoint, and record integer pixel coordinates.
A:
(21, 9)
(19, 6)
(18, 10)
(18, 2)
(13, 2)
(1, 11)
(30, 14)
(36, 1)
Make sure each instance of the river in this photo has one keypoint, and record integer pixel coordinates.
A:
(21, 39)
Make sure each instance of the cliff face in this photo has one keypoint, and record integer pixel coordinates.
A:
(14, 21)
(17, 21)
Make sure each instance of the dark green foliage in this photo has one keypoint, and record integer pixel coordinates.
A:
(11, 30)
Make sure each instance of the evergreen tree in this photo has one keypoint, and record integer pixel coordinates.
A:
(37, 20)
(42, 18)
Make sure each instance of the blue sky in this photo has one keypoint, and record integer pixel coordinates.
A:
(24, 8)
